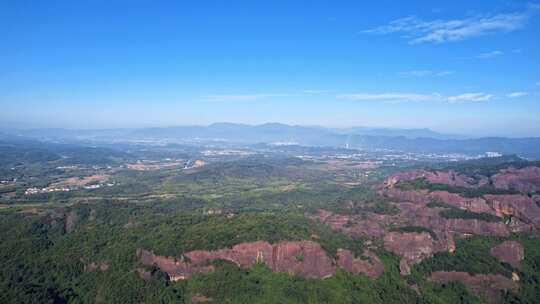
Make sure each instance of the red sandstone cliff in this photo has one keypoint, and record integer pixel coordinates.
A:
(302, 258)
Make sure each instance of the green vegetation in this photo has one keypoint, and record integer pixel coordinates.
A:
(230, 284)
(423, 183)
(437, 203)
(171, 211)
(468, 215)
(471, 255)
(416, 229)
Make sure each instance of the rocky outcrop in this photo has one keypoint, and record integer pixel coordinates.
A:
(353, 225)
(450, 178)
(486, 286)
(411, 247)
(177, 269)
(525, 180)
(369, 264)
(200, 299)
(303, 258)
(418, 196)
(94, 266)
(478, 227)
(510, 252)
(523, 207)
(477, 204)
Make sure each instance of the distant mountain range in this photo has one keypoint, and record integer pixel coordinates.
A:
(406, 140)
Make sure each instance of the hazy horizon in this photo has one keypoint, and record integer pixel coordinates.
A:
(459, 68)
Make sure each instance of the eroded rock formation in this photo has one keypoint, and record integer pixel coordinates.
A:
(302, 258)
(411, 247)
(450, 178)
(510, 252)
(487, 286)
(525, 180)
(523, 207)
(369, 264)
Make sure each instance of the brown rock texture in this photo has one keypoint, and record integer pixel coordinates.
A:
(353, 225)
(411, 247)
(371, 266)
(521, 206)
(101, 266)
(200, 299)
(477, 204)
(510, 252)
(487, 286)
(525, 180)
(303, 258)
(450, 177)
(176, 269)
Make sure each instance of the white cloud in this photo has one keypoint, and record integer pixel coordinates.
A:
(314, 91)
(450, 30)
(424, 73)
(444, 73)
(416, 97)
(517, 94)
(391, 97)
(468, 97)
(240, 97)
(489, 55)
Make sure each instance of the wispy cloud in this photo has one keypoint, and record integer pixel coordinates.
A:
(417, 30)
(393, 97)
(240, 97)
(470, 97)
(424, 73)
(517, 94)
(314, 91)
(489, 55)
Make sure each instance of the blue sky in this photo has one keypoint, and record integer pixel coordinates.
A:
(469, 67)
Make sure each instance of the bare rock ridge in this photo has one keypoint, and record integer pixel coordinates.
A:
(450, 178)
(510, 252)
(487, 286)
(412, 247)
(302, 258)
(525, 180)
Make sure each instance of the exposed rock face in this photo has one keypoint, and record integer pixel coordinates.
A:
(411, 247)
(175, 268)
(450, 177)
(200, 299)
(101, 266)
(510, 252)
(302, 258)
(525, 180)
(352, 225)
(477, 204)
(419, 215)
(521, 206)
(419, 196)
(487, 286)
(476, 227)
(372, 267)
(144, 274)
